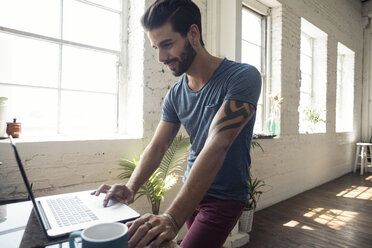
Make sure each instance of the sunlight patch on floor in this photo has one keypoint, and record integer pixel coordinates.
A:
(358, 192)
(307, 228)
(333, 218)
(294, 223)
(291, 223)
(368, 178)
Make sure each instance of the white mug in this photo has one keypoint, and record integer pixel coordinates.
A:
(2, 213)
(113, 235)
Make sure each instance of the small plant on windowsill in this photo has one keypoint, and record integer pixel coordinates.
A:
(313, 117)
(273, 120)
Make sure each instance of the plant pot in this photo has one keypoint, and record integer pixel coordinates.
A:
(246, 220)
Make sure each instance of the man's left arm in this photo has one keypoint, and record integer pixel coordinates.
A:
(225, 127)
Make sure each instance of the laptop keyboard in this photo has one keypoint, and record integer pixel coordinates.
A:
(70, 210)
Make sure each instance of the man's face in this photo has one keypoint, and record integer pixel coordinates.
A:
(173, 50)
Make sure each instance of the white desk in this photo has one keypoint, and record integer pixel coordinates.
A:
(19, 228)
(13, 222)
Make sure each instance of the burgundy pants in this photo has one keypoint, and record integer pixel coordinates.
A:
(211, 223)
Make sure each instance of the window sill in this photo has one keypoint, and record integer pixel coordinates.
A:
(265, 136)
(62, 138)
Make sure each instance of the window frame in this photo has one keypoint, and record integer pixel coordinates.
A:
(63, 42)
(264, 62)
(316, 105)
(344, 55)
(312, 68)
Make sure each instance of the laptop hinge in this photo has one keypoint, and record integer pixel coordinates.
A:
(43, 216)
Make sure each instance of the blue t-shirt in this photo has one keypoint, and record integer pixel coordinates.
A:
(196, 110)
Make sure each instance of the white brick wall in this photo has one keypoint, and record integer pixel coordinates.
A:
(291, 164)
(295, 163)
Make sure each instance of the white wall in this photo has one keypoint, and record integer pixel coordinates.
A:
(291, 164)
(367, 73)
(298, 162)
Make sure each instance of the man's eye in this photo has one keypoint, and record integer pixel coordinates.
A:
(167, 45)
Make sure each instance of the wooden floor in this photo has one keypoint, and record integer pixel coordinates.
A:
(336, 214)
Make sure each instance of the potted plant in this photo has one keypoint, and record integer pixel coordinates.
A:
(254, 188)
(255, 191)
(165, 177)
(255, 144)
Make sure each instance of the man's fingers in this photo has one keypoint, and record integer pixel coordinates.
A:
(134, 225)
(129, 223)
(108, 196)
(149, 236)
(159, 240)
(136, 240)
(102, 189)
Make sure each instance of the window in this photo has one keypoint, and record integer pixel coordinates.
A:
(313, 89)
(253, 52)
(306, 67)
(60, 70)
(345, 89)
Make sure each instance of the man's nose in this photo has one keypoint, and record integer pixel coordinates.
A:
(162, 55)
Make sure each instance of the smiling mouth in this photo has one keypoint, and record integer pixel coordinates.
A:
(171, 64)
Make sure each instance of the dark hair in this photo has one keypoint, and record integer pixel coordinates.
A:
(181, 14)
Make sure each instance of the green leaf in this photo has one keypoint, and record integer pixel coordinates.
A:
(165, 177)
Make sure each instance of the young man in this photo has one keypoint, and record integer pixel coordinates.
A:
(215, 100)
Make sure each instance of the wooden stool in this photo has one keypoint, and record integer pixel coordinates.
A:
(362, 152)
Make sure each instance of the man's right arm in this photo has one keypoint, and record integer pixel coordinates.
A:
(149, 162)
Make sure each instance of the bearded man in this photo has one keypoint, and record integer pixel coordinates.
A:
(215, 100)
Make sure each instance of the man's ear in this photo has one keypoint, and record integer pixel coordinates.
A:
(194, 34)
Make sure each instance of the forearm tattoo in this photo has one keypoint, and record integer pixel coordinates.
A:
(236, 114)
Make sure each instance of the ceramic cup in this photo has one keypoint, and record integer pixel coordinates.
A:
(113, 235)
(14, 128)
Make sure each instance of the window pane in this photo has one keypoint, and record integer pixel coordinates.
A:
(27, 61)
(88, 113)
(258, 122)
(251, 27)
(345, 92)
(20, 14)
(306, 84)
(84, 69)
(251, 54)
(260, 99)
(91, 25)
(305, 101)
(35, 108)
(306, 64)
(306, 45)
(114, 4)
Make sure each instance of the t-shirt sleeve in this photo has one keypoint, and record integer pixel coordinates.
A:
(168, 112)
(245, 85)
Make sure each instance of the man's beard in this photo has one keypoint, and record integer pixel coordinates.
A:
(184, 62)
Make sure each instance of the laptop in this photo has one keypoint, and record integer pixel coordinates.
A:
(62, 214)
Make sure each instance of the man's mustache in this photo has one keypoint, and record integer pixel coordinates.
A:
(170, 61)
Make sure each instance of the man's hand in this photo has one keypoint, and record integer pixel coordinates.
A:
(150, 230)
(118, 192)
